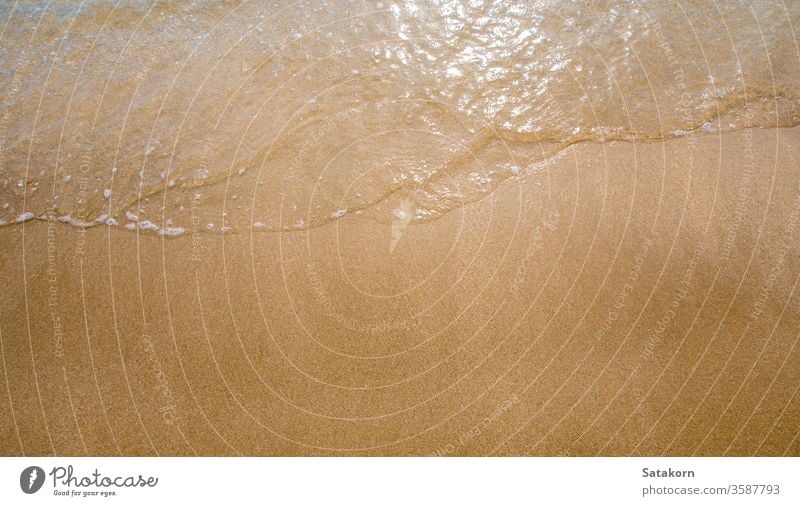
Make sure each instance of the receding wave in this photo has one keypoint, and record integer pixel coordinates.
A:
(162, 117)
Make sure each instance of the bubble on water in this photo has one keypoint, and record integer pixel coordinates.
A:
(172, 231)
(147, 225)
(75, 222)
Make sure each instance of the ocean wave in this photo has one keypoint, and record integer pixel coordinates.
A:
(298, 115)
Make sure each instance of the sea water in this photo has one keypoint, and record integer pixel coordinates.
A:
(163, 117)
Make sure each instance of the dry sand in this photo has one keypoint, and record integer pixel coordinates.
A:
(628, 299)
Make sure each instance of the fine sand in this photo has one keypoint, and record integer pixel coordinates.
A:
(628, 298)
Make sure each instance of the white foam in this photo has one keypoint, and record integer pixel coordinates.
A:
(75, 222)
(258, 224)
(131, 216)
(242, 171)
(24, 217)
(172, 231)
(131, 226)
(147, 225)
(338, 214)
(107, 194)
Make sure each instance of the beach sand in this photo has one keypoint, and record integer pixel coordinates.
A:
(628, 298)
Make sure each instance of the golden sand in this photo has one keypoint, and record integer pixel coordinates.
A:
(628, 299)
(399, 227)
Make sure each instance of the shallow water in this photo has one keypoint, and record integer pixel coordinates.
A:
(237, 117)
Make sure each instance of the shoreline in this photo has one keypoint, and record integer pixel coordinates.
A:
(628, 299)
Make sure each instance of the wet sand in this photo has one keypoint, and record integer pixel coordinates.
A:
(627, 299)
